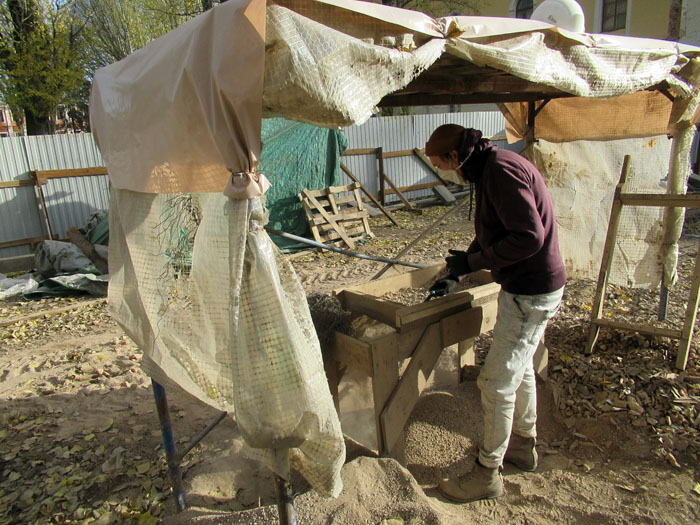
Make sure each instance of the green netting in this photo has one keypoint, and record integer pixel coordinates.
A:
(297, 156)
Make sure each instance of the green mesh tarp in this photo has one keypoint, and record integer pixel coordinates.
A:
(297, 156)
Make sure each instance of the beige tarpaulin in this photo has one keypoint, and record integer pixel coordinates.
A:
(196, 281)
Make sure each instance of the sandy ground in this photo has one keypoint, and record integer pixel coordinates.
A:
(80, 440)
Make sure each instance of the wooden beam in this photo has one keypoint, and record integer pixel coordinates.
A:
(399, 406)
(385, 377)
(20, 242)
(420, 154)
(429, 99)
(607, 257)
(362, 303)
(411, 279)
(691, 312)
(352, 352)
(642, 329)
(16, 183)
(362, 151)
(371, 197)
(43, 175)
(382, 175)
(401, 196)
(662, 199)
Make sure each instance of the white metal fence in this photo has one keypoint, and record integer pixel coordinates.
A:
(71, 201)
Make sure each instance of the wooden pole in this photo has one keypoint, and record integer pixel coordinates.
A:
(409, 206)
(42, 204)
(380, 159)
(371, 197)
(606, 260)
(690, 314)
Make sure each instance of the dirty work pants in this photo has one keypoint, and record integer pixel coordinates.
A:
(507, 379)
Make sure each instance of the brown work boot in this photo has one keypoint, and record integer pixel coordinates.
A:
(480, 483)
(521, 453)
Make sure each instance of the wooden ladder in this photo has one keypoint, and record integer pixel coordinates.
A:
(640, 199)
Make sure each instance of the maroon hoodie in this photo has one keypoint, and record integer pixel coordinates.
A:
(516, 231)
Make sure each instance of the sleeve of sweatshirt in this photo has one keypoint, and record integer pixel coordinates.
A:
(514, 203)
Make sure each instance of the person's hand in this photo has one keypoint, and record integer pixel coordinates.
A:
(458, 263)
(443, 286)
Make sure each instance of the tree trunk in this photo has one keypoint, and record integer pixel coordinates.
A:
(37, 125)
(675, 14)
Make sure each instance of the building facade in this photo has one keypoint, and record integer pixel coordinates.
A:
(677, 20)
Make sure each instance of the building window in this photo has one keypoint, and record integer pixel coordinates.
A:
(614, 15)
(523, 9)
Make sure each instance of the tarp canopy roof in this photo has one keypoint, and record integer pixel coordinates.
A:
(184, 112)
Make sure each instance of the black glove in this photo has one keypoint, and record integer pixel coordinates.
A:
(443, 286)
(458, 263)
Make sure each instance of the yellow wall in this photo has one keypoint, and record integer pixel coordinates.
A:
(649, 18)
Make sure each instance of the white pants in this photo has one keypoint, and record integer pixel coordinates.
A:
(507, 379)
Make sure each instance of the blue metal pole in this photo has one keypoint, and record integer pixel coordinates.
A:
(166, 430)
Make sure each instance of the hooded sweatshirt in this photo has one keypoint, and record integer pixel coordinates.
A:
(516, 231)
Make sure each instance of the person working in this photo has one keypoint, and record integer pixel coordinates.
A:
(516, 238)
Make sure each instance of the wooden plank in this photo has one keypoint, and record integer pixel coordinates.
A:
(42, 202)
(467, 352)
(398, 408)
(420, 154)
(415, 187)
(398, 153)
(339, 228)
(330, 366)
(371, 197)
(344, 216)
(382, 311)
(662, 199)
(691, 312)
(20, 242)
(468, 323)
(43, 175)
(410, 279)
(369, 151)
(642, 329)
(607, 257)
(19, 263)
(443, 306)
(385, 377)
(361, 207)
(401, 196)
(359, 151)
(382, 176)
(323, 192)
(16, 183)
(353, 353)
(310, 219)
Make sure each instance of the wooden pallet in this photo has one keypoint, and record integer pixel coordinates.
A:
(336, 214)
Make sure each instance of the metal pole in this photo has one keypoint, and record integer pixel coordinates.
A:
(166, 430)
(339, 250)
(285, 501)
(420, 237)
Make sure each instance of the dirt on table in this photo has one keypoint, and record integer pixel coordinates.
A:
(618, 430)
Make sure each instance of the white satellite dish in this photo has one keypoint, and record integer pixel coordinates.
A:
(566, 14)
